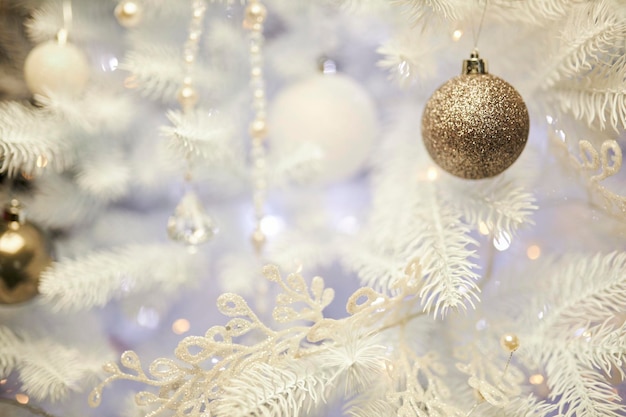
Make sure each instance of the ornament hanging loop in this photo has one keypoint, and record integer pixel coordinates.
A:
(476, 33)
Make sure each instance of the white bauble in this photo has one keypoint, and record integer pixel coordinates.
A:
(56, 68)
(331, 111)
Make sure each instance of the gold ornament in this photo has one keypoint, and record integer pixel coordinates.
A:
(255, 13)
(476, 124)
(128, 13)
(24, 254)
(187, 97)
(509, 342)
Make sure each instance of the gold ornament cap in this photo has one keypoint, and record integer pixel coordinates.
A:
(474, 65)
(13, 212)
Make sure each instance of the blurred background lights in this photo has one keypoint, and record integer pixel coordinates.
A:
(432, 174)
(483, 229)
(533, 252)
(181, 326)
(22, 398)
(148, 317)
(456, 35)
(536, 379)
(272, 225)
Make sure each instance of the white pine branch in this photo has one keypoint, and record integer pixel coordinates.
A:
(500, 203)
(72, 285)
(601, 347)
(356, 359)
(155, 70)
(87, 23)
(47, 370)
(533, 11)
(411, 222)
(520, 406)
(31, 139)
(51, 371)
(581, 391)
(203, 133)
(408, 57)
(59, 203)
(105, 174)
(597, 98)
(418, 10)
(449, 280)
(101, 108)
(299, 165)
(589, 289)
(591, 34)
(370, 404)
(10, 346)
(270, 391)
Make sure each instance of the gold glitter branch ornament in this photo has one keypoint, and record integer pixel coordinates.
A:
(475, 125)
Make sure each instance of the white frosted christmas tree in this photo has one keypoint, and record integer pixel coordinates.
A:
(197, 167)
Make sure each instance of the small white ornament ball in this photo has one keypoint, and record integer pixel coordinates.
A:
(331, 111)
(56, 68)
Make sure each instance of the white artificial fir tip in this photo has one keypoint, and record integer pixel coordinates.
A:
(47, 370)
(155, 71)
(32, 139)
(202, 134)
(501, 204)
(96, 279)
(589, 36)
(408, 57)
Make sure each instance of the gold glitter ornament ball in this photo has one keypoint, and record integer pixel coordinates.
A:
(24, 253)
(475, 125)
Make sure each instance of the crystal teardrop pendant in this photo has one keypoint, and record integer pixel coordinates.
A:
(190, 224)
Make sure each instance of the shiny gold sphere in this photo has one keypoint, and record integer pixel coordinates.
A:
(258, 129)
(475, 126)
(509, 342)
(187, 97)
(24, 254)
(258, 240)
(255, 13)
(128, 13)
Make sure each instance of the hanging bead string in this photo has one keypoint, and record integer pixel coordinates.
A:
(255, 14)
(187, 95)
(63, 33)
